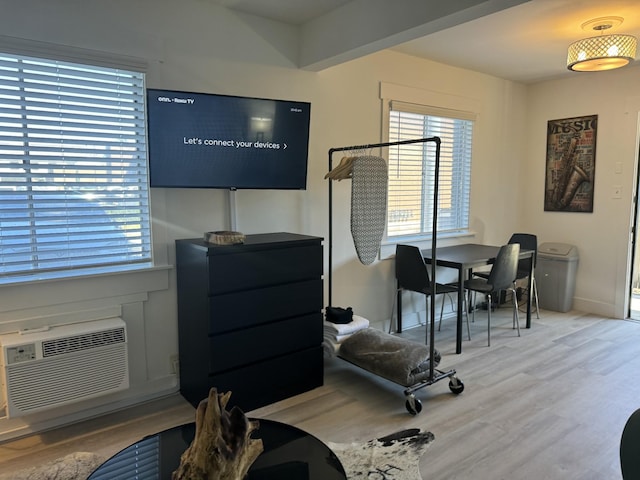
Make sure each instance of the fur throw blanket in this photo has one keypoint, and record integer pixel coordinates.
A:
(397, 359)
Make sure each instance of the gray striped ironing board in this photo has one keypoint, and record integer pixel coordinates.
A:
(368, 206)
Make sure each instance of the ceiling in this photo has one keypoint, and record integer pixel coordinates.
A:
(525, 43)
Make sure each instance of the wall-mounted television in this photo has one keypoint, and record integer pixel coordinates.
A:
(204, 140)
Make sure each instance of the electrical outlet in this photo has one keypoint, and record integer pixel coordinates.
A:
(617, 191)
(175, 365)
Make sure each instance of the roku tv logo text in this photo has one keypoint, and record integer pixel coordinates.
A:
(188, 101)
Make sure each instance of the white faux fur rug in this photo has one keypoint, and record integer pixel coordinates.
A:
(394, 457)
(75, 466)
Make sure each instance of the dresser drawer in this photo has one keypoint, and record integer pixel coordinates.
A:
(233, 311)
(255, 269)
(251, 345)
(263, 383)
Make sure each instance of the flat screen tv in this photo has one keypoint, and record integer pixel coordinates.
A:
(203, 140)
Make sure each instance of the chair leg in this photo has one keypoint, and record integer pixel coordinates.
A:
(535, 295)
(441, 312)
(442, 308)
(472, 297)
(466, 314)
(473, 308)
(516, 317)
(393, 308)
(534, 292)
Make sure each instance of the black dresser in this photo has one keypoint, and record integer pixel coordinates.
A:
(249, 318)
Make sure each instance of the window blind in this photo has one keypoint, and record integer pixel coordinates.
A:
(140, 461)
(412, 169)
(73, 173)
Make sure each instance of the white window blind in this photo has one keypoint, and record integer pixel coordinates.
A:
(73, 174)
(412, 170)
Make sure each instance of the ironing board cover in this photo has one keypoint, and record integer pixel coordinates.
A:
(368, 206)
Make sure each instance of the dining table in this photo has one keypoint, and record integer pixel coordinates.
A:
(464, 258)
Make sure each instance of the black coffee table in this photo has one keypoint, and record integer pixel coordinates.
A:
(289, 453)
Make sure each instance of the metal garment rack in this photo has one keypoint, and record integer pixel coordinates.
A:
(437, 142)
(455, 384)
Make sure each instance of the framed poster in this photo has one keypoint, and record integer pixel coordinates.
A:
(571, 162)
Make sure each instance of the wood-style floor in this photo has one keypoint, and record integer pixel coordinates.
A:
(548, 405)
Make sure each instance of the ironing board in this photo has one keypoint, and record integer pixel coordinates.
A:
(368, 206)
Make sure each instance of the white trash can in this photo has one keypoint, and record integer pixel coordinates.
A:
(556, 275)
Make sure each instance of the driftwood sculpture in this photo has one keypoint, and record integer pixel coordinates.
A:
(222, 448)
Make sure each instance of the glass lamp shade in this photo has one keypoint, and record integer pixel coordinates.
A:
(605, 52)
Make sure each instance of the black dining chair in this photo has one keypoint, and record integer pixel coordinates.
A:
(630, 448)
(501, 277)
(528, 241)
(412, 274)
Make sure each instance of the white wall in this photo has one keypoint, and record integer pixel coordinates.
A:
(193, 45)
(602, 237)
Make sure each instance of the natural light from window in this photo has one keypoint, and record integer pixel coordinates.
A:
(73, 175)
(412, 172)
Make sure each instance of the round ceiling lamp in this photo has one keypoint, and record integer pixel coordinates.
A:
(604, 52)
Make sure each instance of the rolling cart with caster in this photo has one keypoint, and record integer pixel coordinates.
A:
(398, 360)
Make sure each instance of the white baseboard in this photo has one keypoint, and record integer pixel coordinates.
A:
(588, 305)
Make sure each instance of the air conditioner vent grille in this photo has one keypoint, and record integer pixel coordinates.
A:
(76, 343)
(66, 379)
(63, 365)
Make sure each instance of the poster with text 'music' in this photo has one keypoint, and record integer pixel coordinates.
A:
(570, 164)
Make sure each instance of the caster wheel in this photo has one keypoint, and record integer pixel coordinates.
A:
(456, 385)
(414, 406)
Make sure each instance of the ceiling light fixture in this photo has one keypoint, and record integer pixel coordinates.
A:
(604, 52)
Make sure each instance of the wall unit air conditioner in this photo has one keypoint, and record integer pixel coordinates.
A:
(51, 367)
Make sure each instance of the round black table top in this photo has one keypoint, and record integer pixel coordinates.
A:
(289, 453)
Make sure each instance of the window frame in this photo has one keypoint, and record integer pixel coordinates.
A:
(454, 155)
(438, 104)
(87, 58)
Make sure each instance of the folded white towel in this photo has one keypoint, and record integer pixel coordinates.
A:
(332, 337)
(341, 338)
(357, 323)
(330, 348)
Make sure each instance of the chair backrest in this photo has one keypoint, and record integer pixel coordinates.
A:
(629, 458)
(505, 267)
(527, 241)
(411, 271)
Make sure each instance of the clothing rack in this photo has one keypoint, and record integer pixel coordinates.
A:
(437, 142)
(455, 384)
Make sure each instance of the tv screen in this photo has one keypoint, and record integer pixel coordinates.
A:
(202, 140)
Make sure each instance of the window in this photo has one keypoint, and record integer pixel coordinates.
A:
(412, 170)
(73, 174)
